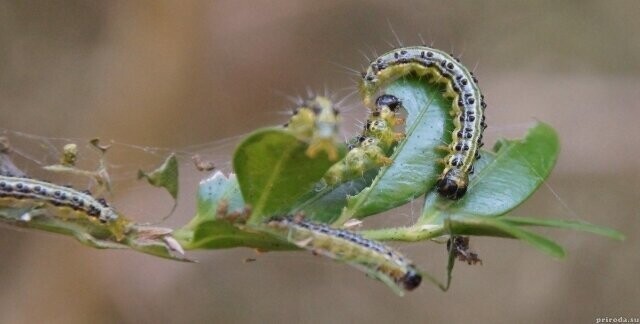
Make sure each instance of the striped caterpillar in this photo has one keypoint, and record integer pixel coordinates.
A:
(60, 201)
(376, 259)
(468, 105)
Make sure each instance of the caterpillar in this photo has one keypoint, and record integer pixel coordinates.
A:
(60, 201)
(315, 121)
(371, 149)
(467, 107)
(376, 259)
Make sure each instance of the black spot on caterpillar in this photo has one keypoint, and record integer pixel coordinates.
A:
(376, 259)
(467, 107)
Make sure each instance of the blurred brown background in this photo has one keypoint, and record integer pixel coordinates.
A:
(173, 74)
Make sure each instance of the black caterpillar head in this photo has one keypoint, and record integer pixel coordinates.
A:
(453, 184)
(387, 100)
(411, 280)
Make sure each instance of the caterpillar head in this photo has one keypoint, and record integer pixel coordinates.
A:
(453, 184)
(411, 280)
(377, 126)
(117, 224)
(389, 101)
(326, 117)
(368, 141)
(107, 215)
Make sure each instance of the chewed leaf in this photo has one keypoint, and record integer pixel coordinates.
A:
(215, 190)
(415, 167)
(150, 240)
(165, 176)
(6, 165)
(155, 241)
(218, 197)
(274, 171)
(504, 179)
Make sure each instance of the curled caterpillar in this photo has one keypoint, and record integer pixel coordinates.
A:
(376, 259)
(316, 121)
(467, 108)
(60, 201)
(372, 148)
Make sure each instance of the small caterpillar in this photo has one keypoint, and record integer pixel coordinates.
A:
(316, 121)
(371, 149)
(468, 105)
(60, 201)
(376, 259)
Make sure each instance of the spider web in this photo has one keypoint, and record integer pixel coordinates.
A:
(35, 154)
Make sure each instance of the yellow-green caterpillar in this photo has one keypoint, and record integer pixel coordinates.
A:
(467, 107)
(372, 148)
(376, 259)
(315, 121)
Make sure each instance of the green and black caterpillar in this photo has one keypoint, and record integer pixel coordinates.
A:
(61, 201)
(467, 108)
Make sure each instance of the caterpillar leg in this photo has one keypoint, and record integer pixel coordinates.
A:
(323, 145)
(367, 156)
(444, 148)
(383, 161)
(397, 121)
(397, 137)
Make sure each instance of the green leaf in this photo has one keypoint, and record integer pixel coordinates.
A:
(564, 224)
(274, 171)
(415, 167)
(165, 176)
(217, 191)
(326, 204)
(503, 179)
(221, 234)
(483, 226)
(221, 194)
